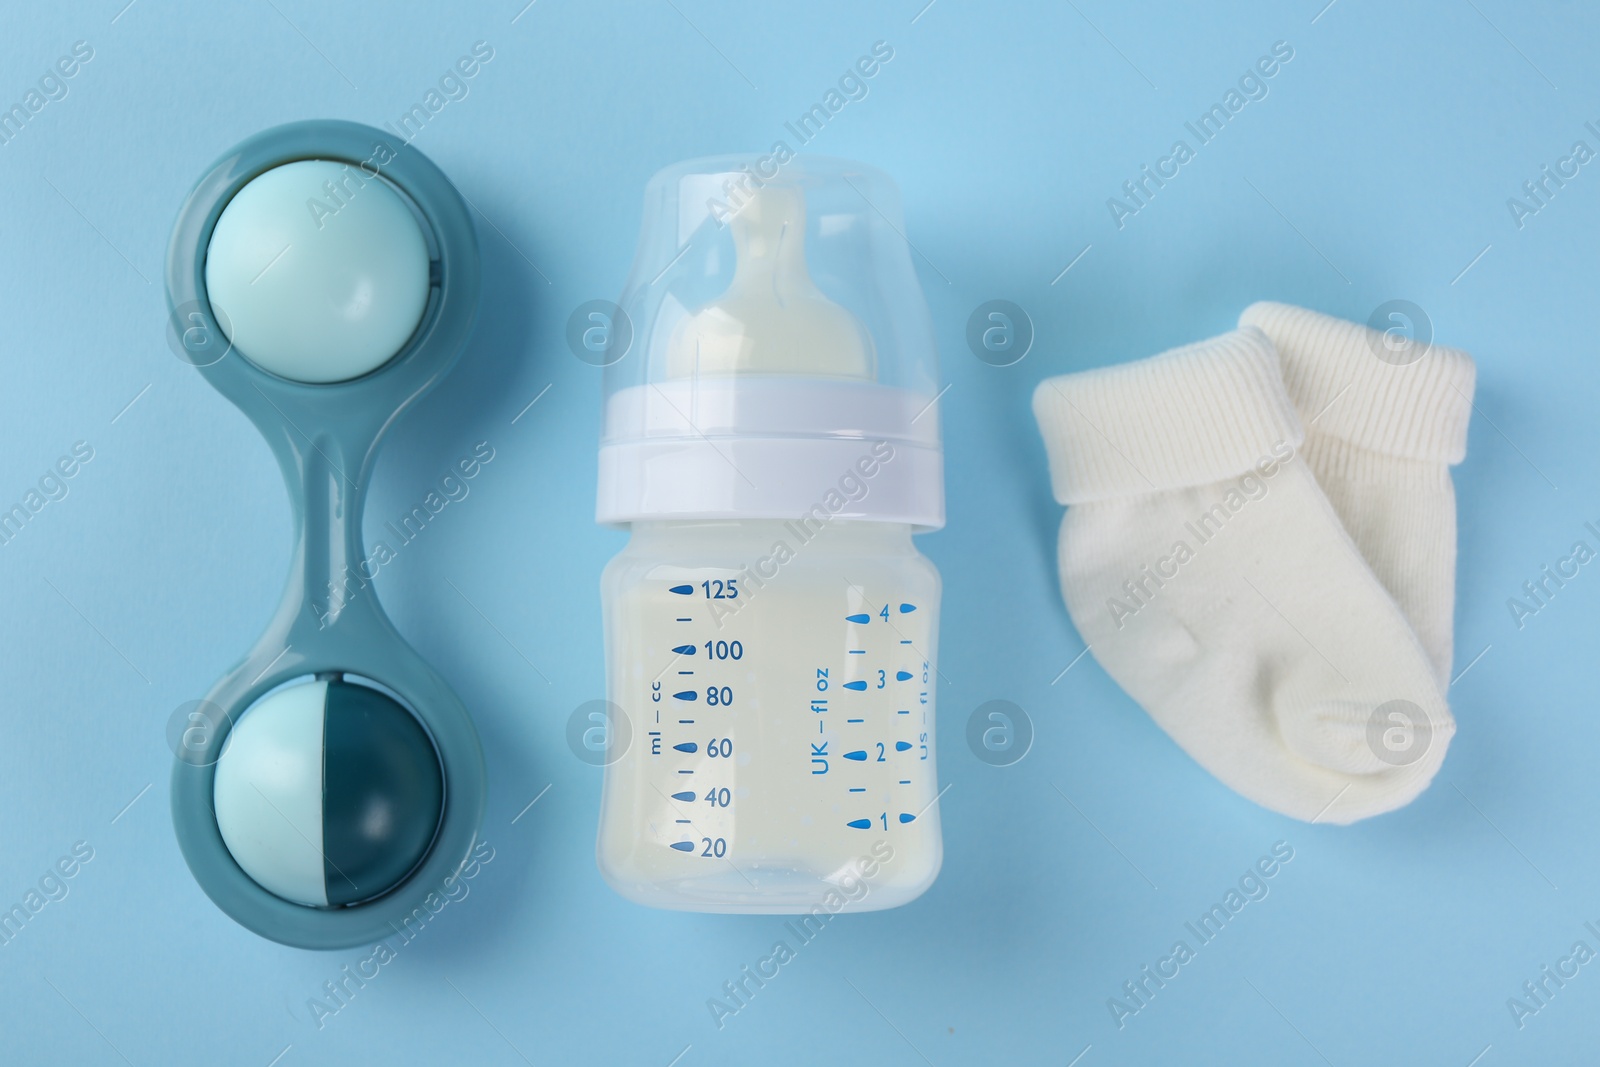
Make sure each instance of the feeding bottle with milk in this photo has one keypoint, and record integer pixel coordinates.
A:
(772, 441)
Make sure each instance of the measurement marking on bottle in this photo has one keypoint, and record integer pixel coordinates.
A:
(873, 684)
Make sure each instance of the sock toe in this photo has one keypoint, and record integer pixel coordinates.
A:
(1359, 738)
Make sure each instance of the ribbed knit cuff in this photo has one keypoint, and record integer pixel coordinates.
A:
(1191, 416)
(1342, 388)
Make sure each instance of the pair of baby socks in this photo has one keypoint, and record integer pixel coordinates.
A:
(1260, 547)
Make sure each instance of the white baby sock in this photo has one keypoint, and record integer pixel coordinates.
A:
(1213, 581)
(1382, 432)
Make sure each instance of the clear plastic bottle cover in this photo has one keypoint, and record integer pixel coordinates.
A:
(772, 438)
(777, 324)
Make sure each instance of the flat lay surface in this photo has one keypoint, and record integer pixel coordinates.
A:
(1422, 161)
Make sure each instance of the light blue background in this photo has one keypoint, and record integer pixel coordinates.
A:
(1380, 162)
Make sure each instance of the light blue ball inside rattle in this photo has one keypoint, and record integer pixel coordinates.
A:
(318, 271)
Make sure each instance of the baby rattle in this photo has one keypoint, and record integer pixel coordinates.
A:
(323, 278)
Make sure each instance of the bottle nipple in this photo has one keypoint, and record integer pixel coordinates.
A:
(772, 319)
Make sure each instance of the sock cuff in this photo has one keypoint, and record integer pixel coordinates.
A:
(1331, 458)
(1190, 416)
(1342, 385)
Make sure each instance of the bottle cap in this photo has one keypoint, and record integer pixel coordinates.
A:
(782, 362)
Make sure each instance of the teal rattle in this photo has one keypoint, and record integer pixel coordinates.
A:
(323, 277)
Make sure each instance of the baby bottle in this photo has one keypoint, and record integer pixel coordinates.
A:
(772, 442)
